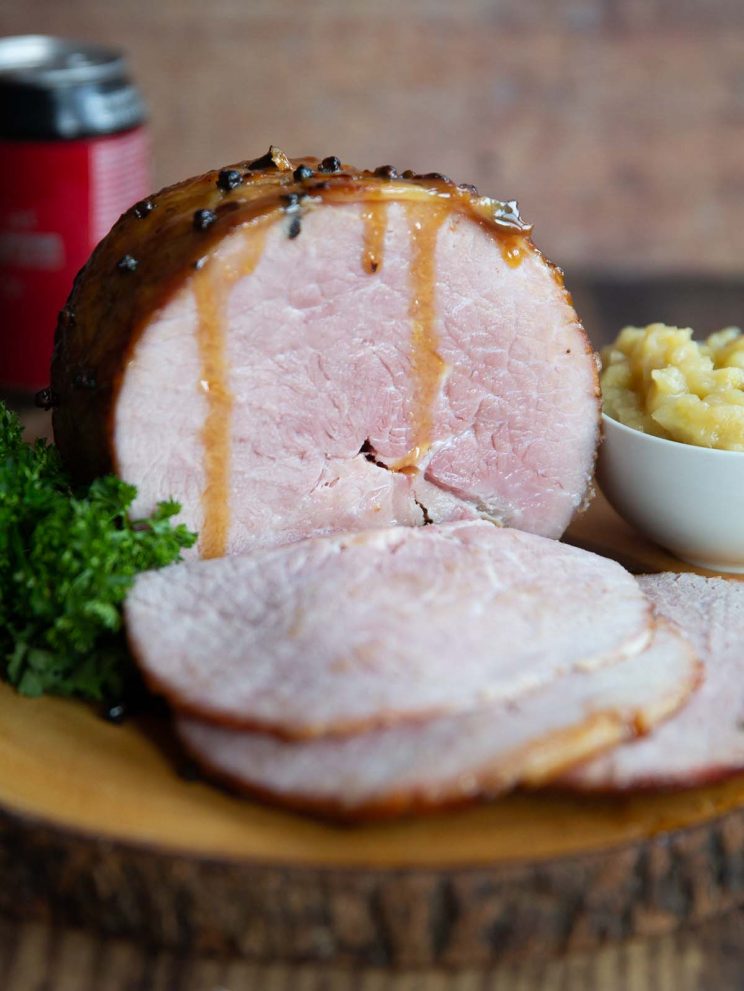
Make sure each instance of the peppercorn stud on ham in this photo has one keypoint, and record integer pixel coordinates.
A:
(292, 348)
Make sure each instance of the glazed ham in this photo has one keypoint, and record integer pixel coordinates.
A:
(455, 759)
(343, 633)
(297, 348)
(705, 740)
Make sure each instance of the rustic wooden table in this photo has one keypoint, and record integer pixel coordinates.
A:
(36, 957)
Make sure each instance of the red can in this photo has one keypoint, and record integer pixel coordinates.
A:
(74, 155)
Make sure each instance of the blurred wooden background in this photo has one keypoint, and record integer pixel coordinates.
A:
(618, 124)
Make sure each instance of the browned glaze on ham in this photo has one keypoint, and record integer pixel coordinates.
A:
(166, 240)
(513, 249)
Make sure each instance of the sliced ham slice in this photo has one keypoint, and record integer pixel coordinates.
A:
(705, 740)
(454, 759)
(290, 353)
(334, 634)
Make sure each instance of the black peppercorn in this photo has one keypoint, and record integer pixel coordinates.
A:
(437, 177)
(294, 228)
(386, 172)
(409, 174)
(46, 399)
(330, 164)
(85, 379)
(127, 264)
(115, 713)
(203, 219)
(302, 172)
(229, 179)
(468, 187)
(67, 317)
(264, 162)
(142, 208)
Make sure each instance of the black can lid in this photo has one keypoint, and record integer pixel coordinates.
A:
(54, 88)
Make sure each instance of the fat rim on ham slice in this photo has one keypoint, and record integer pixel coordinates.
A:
(337, 634)
(704, 742)
(292, 348)
(453, 760)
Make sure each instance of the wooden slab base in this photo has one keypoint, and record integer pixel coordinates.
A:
(97, 829)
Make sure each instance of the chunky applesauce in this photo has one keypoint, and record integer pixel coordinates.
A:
(659, 380)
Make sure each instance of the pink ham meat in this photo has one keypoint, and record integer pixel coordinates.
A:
(336, 634)
(705, 741)
(455, 759)
(293, 356)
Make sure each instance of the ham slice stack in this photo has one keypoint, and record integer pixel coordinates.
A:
(455, 758)
(346, 378)
(385, 671)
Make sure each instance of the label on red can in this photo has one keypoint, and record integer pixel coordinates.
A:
(57, 200)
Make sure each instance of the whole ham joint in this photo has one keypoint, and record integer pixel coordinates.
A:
(292, 348)
(337, 634)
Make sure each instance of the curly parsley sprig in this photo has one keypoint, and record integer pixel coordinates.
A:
(67, 560)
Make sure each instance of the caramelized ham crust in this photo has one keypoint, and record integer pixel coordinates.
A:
(296, 348)
(455, 759)
(337, 634)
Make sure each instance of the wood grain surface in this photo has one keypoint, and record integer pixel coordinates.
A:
(38, 957)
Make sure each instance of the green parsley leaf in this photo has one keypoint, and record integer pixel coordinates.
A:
(67, 561)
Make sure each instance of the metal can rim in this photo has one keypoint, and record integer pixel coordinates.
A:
(34, 60)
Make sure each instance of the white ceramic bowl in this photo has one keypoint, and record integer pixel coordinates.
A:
(688, 499)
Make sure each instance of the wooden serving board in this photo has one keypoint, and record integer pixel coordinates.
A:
(98, 828)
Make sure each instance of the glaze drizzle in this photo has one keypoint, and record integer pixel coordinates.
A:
(211, 285)
(374, 215)
(427, 365)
